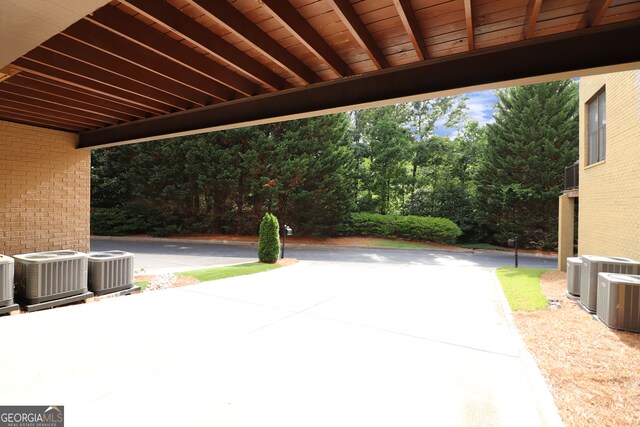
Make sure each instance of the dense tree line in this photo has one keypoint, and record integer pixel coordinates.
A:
(493, 181)
(224, 182)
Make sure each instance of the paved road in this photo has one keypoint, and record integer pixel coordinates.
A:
(155, 256)
(417, 343)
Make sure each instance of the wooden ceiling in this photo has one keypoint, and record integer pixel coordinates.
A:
(133, 60)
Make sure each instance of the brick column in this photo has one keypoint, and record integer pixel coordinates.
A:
(565, 230)
(44, 190)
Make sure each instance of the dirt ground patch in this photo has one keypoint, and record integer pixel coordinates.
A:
(286, 261)
(184, 281)
(593, 372)
(144, 278)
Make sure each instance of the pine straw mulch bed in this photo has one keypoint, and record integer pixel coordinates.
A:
(593, 372)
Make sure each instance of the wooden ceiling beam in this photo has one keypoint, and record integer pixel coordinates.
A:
(596, 10)
(412, 27)
(351, 20)
(60, 74)
(52, 87)
(107, 41)
(188, 28)
(52, 118)
(178, 94)
(26, 105)
(15, 86)
(93, 72)
(36, 120)
(289, 17)
(134, 30)
(520, 62)
(531, 18)
(236, 22)
(468, 17)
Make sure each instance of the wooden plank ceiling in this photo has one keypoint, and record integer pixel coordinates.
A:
(136, 59)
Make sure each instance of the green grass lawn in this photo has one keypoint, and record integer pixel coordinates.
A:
(401, 244)
(216, 273)
(521, 286)
(143, 285)
(481, 246)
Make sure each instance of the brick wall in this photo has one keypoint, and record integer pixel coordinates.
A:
(44, 190)
(566, 217)
(609, 217)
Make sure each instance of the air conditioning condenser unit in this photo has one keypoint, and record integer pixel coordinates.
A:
(110, 271)
(591, 266)
(6, 281)
(574, 264)
(48, 276)
(618, 304)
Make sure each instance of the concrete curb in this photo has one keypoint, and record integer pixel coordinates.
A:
(546, 404)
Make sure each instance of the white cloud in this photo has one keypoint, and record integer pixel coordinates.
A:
(480, 105)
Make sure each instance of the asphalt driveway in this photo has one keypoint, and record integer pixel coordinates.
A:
(159, 256)
(315, 344)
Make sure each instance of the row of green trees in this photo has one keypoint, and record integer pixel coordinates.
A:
(493, 181)
(225, 181)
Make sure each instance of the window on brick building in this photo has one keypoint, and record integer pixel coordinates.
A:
(597, 127)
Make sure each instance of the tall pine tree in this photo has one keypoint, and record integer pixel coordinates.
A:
(535, 135)
(313, 174)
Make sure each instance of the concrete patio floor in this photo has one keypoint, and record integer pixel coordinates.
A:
(313, 344)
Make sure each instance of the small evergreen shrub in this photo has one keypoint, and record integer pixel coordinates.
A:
(269, 241)
(410, 227)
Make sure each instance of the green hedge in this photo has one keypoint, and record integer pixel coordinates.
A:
(409, 227)
(124, 220)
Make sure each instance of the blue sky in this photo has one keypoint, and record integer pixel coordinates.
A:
(479, 107)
